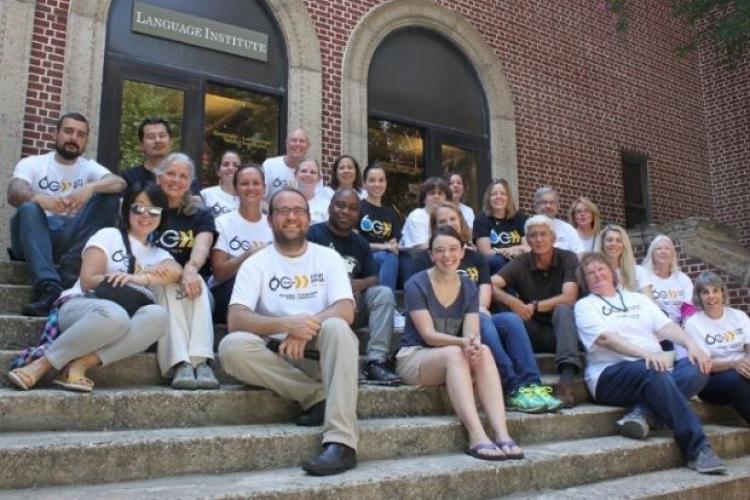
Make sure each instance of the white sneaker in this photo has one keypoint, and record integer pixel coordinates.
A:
(399, 320)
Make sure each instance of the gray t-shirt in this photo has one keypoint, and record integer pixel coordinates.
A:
(420, 296)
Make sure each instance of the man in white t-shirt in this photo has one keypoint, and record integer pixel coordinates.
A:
(296, 299)
(279, 170)
(626, 366)
(547, 202)
(61, 199)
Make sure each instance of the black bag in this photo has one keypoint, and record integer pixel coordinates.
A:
(129, 296)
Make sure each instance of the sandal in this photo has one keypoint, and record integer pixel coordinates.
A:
(22, 378)
(507, 448)
(71, 383)
(474, 452)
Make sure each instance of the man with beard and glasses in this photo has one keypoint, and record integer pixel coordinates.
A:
(61, 199)
(295, 298)
(375, 304)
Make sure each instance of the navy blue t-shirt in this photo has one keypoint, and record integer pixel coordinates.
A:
(421, 296)
(354, 248)
(378, 224)
(503, 233)
(474, 266)
(179, 231)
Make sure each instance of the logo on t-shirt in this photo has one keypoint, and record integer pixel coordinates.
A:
(61, 186)
(670, 294)
(280, 183)
(218, 209)
(377, 227)
(172, 238)
(505, 238)
(723, 338)
(236, 244)
(470, 272)
(299, 281)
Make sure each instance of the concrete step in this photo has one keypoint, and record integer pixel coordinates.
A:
(680, 483)
(18, 332)
(13, 298)
(441, 475)
(13, 273)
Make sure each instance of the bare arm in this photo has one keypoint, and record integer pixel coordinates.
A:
(343, 308)
(225, 266)
(241, 318)
(485, 298)
(423, 323)
(485, 247)
(614, 342)
(110, 183)
(518, 306)
(362, 284)
(568, 295)
(191, 280)
(672, 332)
(20, 191)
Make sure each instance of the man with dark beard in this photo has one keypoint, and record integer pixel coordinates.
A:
(61, 199)
(295, 298)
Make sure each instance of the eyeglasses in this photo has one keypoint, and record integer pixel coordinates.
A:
(140, 210)
(285, 211)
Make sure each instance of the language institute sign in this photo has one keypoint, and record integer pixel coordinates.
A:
(193, 30)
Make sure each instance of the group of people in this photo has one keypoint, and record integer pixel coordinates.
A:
(293, 266)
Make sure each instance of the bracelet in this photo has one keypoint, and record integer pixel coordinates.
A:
(536, 306)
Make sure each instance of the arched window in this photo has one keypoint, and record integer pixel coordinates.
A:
(427, 115)
(216, 70)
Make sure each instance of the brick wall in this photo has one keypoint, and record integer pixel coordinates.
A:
(44, 92)
(727, 112)
(582, 93)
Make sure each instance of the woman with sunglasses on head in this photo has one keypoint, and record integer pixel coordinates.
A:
(613, 242)
(307, 177)
(222, 198)
(724, 333)
(455, 182)
(345, 173)
(498, 229)
(585, 217)
(241, 233)
(380, 225)
(441, 344)
(188, 235)
(98, 332)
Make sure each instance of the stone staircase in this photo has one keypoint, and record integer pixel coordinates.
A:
(133, 437)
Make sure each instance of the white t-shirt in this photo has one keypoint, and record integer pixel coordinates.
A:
(671, 293)
(219, 201)
(642, 278)
(566, 237)
(109, 240)
(588, 243)
(723, 339)
(416, 229)
(237, 235)
(49, 177)
(318, 208)
(278, 175)
(272, 284)
(638, 325)
(468, 214)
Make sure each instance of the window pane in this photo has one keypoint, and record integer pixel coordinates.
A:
(401, 149)
(466, 162)
(141, 100)
(237, 119)
(634, 216)
(633, 183)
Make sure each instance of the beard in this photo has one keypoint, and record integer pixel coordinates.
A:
(66, 153)
(286, 243)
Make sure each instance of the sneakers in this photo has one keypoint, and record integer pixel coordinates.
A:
(45, 294)
(205, 378)
(544, 393)
(706, 462)
(527, 401)
(379, 372)
(184, 377)
(634, 425)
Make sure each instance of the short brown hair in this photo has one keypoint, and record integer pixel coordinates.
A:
(433, 184)
(589, 258)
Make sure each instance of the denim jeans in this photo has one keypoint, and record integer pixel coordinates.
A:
(41, 240)
(496, 262)
(388, 268)
(375, 309)
(408, 266)
(508, 341)
(662, 394)
(728, 387)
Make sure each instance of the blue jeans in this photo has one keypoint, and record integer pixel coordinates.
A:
(495, 263)
(661, 394)
(408, 266)
(508, 341)
(41, 240)
(728, 387)
(388, 268)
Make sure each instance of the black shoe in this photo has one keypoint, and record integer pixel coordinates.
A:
(334, 459)
(378, 371)
(313, 416)
(45, 294)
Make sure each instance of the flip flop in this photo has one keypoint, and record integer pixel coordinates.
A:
(22, 379)
(79, 384)
(474, 452)
(507, 446)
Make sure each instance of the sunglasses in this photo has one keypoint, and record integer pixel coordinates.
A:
(140, 210)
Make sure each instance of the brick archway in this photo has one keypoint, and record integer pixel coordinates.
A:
(395, 14)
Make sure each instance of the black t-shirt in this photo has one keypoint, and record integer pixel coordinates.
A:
(502, 233)
(473, 266)
(142, 174)
(532, 283)
(180, 230)
(378, 224)
(353, 248)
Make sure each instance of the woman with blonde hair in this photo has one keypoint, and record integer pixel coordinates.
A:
(307, 176)
(670, 287)
(585, 217)
(614, 243)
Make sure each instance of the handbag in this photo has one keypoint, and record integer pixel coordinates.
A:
(129, 296)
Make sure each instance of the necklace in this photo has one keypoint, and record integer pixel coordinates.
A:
(622, 308)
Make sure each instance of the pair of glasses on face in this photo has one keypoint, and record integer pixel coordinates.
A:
(286, 211)
(150, 211)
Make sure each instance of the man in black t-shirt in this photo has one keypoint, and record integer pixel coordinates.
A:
(545, 281)
(375, 304)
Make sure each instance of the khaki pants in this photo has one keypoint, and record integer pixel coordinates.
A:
(245, 356)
